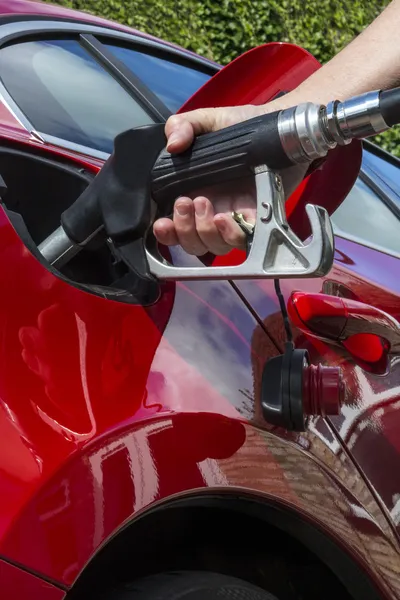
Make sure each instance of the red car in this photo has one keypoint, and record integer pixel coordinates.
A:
(135, 460)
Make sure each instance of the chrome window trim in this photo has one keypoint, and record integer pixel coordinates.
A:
(15, 110)
(67, 145)
(371, 246)
(19, 28)
(387, 194)
(13, 31)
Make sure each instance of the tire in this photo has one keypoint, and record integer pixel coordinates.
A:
(190, 585)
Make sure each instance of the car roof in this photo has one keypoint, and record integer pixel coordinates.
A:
(36, 8)
(11, 127)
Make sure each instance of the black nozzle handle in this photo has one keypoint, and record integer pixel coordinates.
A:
(118, 199)
(218, 157)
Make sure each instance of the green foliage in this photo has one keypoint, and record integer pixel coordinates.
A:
(223, 29)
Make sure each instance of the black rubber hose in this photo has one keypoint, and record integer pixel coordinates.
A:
(389, 101)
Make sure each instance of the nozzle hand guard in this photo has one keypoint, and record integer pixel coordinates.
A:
(275, 251)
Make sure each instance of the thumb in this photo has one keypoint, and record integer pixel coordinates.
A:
(181, 129)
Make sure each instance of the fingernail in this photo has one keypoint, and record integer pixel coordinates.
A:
(182, 209)
(200, 208)
(173, 139)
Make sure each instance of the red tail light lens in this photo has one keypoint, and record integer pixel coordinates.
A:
(366, 332)
(367, 346)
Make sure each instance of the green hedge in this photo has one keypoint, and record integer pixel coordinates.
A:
(223, 29)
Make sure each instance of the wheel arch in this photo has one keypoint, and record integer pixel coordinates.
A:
(127, 554)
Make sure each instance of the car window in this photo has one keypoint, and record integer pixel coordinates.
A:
(172, 82)
(65, 93)
(363, 217)
(387, 169)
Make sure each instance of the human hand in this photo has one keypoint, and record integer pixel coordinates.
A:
(203, 223)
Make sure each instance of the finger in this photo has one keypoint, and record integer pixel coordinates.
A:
(180, 136)
(207, 229)
(185, 227)
(164, 231)
(181, 129)
(230, 231)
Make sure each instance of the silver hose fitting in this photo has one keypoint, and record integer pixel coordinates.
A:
(308, 131)
(358, 117)
(302, 136)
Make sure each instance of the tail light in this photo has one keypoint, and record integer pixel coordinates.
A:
(367, 333)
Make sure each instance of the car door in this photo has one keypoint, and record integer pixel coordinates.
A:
(364, 266)
(366, 269)
(370, 422)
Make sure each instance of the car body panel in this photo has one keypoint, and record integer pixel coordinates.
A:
(36, 8)
(18, 584)
(78, 505)
(163, 402)
(369, 420)
(48, 416)
(367, 274)
(70, 456)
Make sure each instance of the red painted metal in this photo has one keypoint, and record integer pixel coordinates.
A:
(370, 419)
(39, 8)
(17, 584)
(107, 409)
(256, 77)
(323, 390)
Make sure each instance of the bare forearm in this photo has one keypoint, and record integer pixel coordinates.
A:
(371, 61)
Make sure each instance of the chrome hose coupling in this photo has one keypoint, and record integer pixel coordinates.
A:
(356, 118)
(302, 132)
(308, 131)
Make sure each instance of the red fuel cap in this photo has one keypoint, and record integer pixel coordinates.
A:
(292, 390)
(323, 390)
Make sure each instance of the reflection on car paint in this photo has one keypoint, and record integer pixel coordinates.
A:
(175, 406)
(164, 402)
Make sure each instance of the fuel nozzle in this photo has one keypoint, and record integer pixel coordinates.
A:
(135, 186)
(308, 131)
